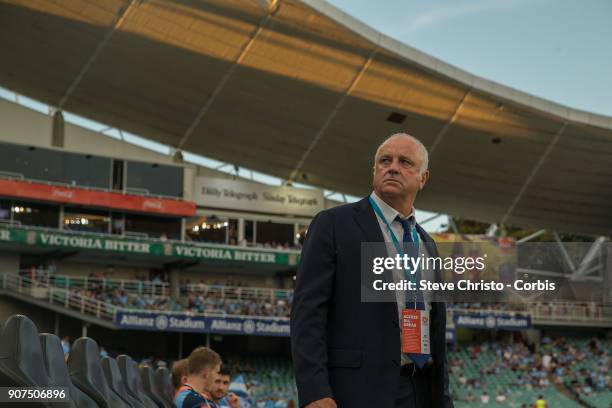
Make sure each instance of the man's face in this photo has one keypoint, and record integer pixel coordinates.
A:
(221, 386)
(209, 376)
(397, 168)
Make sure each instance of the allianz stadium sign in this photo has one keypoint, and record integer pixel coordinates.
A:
(251, 326)
(491, 321)
(39, 238)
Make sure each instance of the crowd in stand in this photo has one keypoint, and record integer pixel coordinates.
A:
(224, 298)
(236, 298)
(576, 367)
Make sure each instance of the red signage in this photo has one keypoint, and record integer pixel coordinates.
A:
(94, 198)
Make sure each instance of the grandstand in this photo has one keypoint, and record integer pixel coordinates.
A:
(151, 250)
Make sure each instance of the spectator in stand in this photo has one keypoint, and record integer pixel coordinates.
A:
(484, 398)
(541, 402)
(501, 397)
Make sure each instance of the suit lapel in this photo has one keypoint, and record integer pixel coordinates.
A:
(367, 222)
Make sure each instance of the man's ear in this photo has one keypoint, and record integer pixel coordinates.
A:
(424, 179)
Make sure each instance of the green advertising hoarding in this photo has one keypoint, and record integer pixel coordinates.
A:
(185, 250)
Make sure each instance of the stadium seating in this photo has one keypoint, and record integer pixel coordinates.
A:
(115, 383)
(21, 359)
(86, 372)
(150, 389)
(54, 360)
(163, 382)
(577, 362)
(28, 359)
(269, 378)
(132, 381)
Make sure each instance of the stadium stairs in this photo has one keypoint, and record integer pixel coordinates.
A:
(58, 300)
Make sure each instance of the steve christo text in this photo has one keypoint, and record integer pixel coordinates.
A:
(463, 285)
(458, 265)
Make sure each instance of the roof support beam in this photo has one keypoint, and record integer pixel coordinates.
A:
(332, 115)
(533, 173)
(566, 257)
(215, 93)
(75, 82)
(594, 251)
(448, 124)
(531, 236)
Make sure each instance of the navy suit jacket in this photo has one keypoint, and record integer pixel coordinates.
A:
(342, 347)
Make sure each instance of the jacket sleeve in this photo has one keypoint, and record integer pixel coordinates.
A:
(309, 314)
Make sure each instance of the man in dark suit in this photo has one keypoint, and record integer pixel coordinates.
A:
(347, 352)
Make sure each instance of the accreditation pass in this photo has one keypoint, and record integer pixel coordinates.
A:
(415, 331)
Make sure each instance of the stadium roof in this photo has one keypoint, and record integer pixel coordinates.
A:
(302, 91)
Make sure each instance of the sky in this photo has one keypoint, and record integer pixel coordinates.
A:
(560, 50)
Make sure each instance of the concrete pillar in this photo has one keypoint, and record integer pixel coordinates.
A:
(175, 287)
(9, 262)
(240, 231)
(57, 133)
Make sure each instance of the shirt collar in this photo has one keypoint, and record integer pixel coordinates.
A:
(389, 212)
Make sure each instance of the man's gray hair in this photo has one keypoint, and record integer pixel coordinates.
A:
(424, 153)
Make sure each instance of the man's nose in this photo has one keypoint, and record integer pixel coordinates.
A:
(393, 167)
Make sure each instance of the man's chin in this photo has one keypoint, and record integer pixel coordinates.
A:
(391, 189)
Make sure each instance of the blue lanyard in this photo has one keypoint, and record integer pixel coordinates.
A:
(398, 247)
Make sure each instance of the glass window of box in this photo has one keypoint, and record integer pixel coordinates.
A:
(155, 178)
(5, 211)
(35, 214)
(79, 219)
(249, 232)
(212, 229)
(152, 227)
(117, 223)
(55, 166)
(274, 234)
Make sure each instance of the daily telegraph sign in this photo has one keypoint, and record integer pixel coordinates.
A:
(256, 326)
(241, 195)
(491, 321)
(146, 247)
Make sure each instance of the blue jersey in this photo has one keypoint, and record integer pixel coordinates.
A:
(187, 397)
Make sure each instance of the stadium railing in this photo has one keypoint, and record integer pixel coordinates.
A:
(88, 306)
(58, 296)
(65, 295)
(135, 286)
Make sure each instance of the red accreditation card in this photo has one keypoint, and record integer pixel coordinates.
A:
(415, 331)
